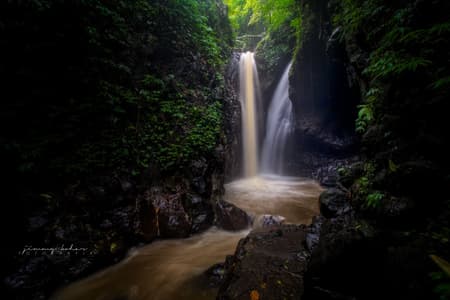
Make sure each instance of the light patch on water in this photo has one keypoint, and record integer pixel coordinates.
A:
(294, 198)
(169, 269)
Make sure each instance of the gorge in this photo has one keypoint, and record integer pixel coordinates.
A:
(177, 266)
(225, 149)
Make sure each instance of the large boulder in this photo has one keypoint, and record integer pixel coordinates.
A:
(333, 202)
(145, 225)
(231, 217)
(269, 220)
(339, 257)
(268, 264)
(173, 221)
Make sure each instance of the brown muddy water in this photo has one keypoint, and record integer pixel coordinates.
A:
(172, 269)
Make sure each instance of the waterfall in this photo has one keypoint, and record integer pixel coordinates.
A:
(248, 95)
(278, 127)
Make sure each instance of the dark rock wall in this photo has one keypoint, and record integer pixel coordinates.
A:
(232, 121)
(107, 211)
(320, 87)
(323, 96)
(378, 249)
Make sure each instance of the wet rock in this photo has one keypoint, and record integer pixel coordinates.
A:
(199, 220)
(232, 122)
(269, 263)
(215, 274)
(313, 233)
(106, 224)
(330, 170)
(345, 250)
(270, 220)
(329, 180)
(97, 192)
(336, 236)
(199, 185)
(125, 185)
(335, 47)
(394, 207)
(200, 211)
(172, 219)
(122, 218)
(231, 217)
(347, 175)
(39, 275)
(197, 170)
(37, 222)
(318, 292)
(145, 224)
(195, 199)
(332, 202)
(174, 223)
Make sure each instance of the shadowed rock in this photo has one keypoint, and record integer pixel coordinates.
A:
(269, 262)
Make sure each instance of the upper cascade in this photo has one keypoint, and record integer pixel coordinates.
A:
(249, 97)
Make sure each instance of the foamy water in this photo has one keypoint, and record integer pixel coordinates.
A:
(170, 269)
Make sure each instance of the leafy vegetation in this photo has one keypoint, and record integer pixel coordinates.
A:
(366, 110)
(270, 18)
(400, 50)
(371, 197)
(114, 85)
(271, 13)
(442, 278)
(404, 46)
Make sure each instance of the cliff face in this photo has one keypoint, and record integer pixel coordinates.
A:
(114, 114)
(323, 94)
(320, 87)
(377, 222)
(232, 122)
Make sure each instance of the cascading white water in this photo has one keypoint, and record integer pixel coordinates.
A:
(248, 96)
(174, 269)
(278, 127)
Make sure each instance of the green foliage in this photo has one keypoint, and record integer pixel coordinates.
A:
(365, 116)
(364, 184)
(442, 278)
(390, 63)
(442, 236)
(392, 166)
(115, 85)
(352, 14)
(374, 199)
(400, 46)
(441, 83)
(342, 171)
(367, 109)
(273, 48)
(271, 13)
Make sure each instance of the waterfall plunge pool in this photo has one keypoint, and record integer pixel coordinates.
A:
(173, 269)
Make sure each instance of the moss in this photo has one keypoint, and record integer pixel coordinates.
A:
(113, 86)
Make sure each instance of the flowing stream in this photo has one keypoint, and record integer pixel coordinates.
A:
(173, 269)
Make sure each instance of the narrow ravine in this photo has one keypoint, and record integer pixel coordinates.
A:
(225, 149)
(174, 269)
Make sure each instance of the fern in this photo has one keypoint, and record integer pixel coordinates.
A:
(385, 65)
(441, 83)
(374, 199)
